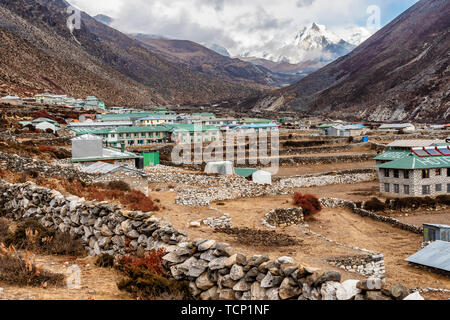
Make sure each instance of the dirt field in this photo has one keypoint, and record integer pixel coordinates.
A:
(337, 224)
(96, 283)
(419, 218)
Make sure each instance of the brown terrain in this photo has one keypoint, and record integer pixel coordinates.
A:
(39, 54)
(402, 72)
(205, 61)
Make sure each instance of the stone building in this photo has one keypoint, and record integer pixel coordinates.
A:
(423, 171)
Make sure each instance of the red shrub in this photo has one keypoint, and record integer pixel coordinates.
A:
(309, 203)
(151, 260)
(45, 148)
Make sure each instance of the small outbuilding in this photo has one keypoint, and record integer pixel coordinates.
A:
(220, 167)
(262, 177)
(433, 232)
(87, 146)
(44, 126)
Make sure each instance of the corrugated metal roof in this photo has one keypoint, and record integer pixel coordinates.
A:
(244, 172)
(100, 167)
(414, 143)
(393, 155)
(441, 226)
(396, 126)
(413, 162)
(436, 255)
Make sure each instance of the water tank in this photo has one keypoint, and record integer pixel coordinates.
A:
(139, 162)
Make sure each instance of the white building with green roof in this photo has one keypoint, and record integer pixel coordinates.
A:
(419, 172)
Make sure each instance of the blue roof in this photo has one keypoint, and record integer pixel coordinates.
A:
(436, 255)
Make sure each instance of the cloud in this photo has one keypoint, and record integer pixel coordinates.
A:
(304, 3)
(234, 24)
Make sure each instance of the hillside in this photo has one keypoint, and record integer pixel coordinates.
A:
(40, 54)
(206, 61)
(400, 73)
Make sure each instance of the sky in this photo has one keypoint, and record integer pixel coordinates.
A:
(241, 25)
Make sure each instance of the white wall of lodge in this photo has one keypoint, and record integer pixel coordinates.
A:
(416, 183)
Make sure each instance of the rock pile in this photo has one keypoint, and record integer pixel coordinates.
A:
(201, 190)
(221, 222)
(283, 217)
(367, 265)
(17, 163)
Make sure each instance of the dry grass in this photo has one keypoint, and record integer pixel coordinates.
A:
(31, 235)
(20, 271)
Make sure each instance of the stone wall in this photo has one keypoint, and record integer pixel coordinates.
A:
(367, 265)
(214, 270)
(283, 217)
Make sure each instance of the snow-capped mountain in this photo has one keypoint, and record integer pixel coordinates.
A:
(217, 48)
(312, 43)
(355, 34)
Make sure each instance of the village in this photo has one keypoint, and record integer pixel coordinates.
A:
(381, 225)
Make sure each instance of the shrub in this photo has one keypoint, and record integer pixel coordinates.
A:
(139, 201)
(374, 204)
(119, 185)
(31, 235)
(147, 279)
(4, 229)
(443, 199)
(18, 271)
(105, 261)
(147, 285)
(309, 203)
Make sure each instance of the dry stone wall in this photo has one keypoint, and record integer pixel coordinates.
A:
(214, 270)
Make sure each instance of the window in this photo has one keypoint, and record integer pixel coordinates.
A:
(426, 190)
(448, 188)
(448, 172)
(406, 189)
(439, 188)
(386, 187)
(406, 174)
(426, 174)
(396, 173)
(386, 173)
(396, 188)
(437, 172)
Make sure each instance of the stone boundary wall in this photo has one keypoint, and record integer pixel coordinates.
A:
(319, 149)
(367, 265)
(17, 163)
(334, 203)
(199, 192)
(214, 270)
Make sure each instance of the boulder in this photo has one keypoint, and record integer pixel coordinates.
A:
(332, 276)
(242, 285)
(226, 294)
(211, 294)
(270, 281)
(372, 284)
(329, 290)
(206, 245)
(288, 291)
(348, 290)
(257, 292)
(285, 260)
(218, 263)
(237, 272)
(203, 282)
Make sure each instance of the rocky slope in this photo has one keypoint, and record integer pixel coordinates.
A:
(206, 61)
(39, 53)
(400, 73)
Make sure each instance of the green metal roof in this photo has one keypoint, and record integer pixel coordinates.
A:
(256, 121)
(145, 129)
(393, 155)
(244, 172)
(413, 162)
